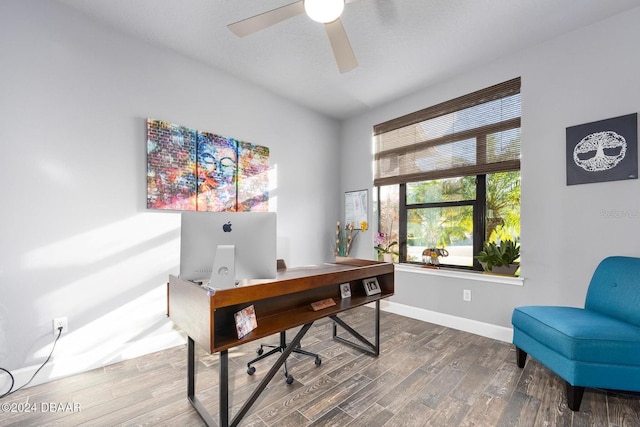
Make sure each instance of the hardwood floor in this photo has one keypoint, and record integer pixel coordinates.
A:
(426, 375)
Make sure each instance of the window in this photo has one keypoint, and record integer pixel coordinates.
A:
(448, 176)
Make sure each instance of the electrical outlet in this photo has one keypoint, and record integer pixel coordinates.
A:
(466, 295)
(60, 322)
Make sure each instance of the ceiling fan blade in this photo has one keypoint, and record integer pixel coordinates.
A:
(266, 19)
(341, 47)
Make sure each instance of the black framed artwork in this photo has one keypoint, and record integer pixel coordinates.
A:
(606, 150)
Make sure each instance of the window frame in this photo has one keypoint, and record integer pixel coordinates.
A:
(479, 219)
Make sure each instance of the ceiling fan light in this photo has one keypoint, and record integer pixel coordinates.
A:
(324, 11)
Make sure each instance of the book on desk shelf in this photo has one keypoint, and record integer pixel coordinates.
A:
(245, 321)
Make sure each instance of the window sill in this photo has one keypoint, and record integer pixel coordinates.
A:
(458, 274)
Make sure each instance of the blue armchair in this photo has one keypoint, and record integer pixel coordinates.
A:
(597, 346)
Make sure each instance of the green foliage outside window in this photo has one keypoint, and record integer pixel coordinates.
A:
(431, 223)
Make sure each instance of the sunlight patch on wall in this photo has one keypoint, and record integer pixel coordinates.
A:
(131, 330)
(103, 242)
(107, 285)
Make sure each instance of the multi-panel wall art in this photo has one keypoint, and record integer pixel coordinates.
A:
(192, 170)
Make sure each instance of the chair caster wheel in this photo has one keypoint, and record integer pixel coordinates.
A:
(289, 379)
(251, 370)
(318, 361)
(260, 351)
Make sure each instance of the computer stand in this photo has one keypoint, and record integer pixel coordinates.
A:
(280, 349)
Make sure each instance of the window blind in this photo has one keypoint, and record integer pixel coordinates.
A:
(474, 134)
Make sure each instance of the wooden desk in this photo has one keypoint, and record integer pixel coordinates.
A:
(280, 304)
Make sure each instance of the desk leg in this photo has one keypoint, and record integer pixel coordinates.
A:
(224, 382)
(377, 338)
(191, 368)
(364, 345)
(191, 385)
(224, 388)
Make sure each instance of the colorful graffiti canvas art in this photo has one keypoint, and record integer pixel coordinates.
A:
(171, 164)
(253, 167)
(217, 173)
(192, 170)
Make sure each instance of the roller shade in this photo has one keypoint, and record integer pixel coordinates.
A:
(474, 134)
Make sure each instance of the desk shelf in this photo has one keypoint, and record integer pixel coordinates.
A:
(271, 324)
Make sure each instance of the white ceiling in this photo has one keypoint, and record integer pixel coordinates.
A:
(401, 45)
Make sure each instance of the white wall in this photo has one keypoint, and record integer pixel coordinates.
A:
(583, 76)
(77, 240)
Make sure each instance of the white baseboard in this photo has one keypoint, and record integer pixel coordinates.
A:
(468, 325)
(67, 366)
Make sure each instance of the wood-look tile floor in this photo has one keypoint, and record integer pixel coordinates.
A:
(426, 375)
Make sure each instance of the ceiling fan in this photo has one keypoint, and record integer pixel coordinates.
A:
(327, 12)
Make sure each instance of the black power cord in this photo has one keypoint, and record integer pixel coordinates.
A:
(11, 391)
(12, 382)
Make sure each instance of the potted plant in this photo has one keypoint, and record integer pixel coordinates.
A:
(500, 259)
(384, 246)
(345, 237)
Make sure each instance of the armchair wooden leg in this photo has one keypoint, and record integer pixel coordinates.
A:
(521, 357)
(574, 396)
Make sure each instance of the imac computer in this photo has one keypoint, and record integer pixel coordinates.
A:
(224, 248)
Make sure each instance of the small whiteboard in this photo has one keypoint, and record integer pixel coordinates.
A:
(355, 208)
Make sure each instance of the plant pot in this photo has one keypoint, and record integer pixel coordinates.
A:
(387, 257)
(508, 270)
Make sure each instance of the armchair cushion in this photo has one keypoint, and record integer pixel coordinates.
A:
(582, 335)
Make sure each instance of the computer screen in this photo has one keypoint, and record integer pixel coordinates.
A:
(227, 247)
